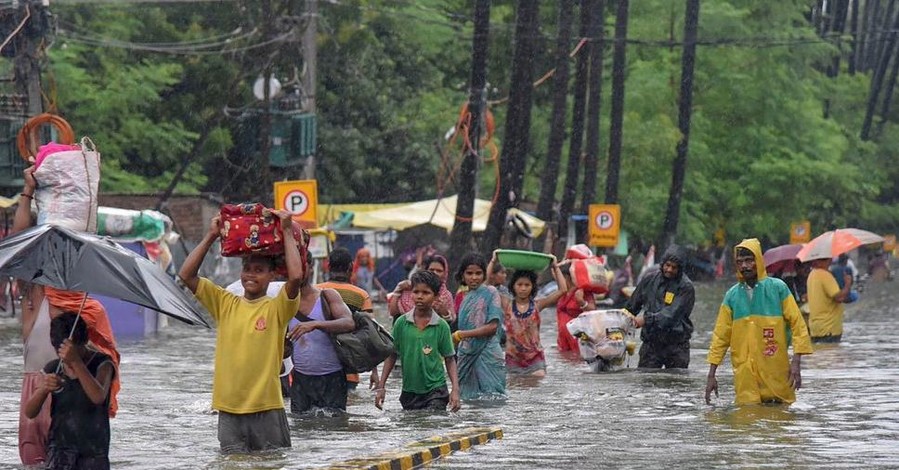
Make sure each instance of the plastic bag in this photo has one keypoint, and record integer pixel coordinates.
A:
(579, 251)
(67, 187)
(590, 275)
(603, 336)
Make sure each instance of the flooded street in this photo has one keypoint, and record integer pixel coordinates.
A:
(846, 416)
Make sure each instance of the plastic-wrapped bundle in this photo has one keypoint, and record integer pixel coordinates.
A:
(68, 183)
(590, 274)
(131, 225)
(603, 336)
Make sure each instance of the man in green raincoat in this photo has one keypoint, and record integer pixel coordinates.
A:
(757, 320)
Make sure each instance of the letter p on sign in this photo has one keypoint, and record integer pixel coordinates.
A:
(605, 225)
(299, 198)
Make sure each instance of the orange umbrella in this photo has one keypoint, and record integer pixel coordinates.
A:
(836, 242)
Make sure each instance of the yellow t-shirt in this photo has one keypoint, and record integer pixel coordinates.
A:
(825, 314)
(248, 348)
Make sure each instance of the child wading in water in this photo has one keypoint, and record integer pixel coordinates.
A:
(524, 353)
(424, 344)
(79, 407)
(482, 368)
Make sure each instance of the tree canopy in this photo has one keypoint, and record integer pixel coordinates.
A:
(147, 81)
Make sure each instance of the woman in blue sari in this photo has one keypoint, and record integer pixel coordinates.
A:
(482, 365)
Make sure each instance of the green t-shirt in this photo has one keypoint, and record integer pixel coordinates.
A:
(422, 352)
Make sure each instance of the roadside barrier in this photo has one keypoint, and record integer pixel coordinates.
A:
(421, 452)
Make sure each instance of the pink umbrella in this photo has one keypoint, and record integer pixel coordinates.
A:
(836, 242)
(779, 258)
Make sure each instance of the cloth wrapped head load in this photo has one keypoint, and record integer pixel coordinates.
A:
(253, 229)
(602, 334)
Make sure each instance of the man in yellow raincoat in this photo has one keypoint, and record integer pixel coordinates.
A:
(757, 320)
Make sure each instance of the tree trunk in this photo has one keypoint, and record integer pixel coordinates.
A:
(878, 77)
(518, 122)
(679, 172)
(575, 144)
(460, 237)
(853, 27)
(878, 33)
(594, 95)
(557, 128)
(825, 12)
(840, 14)
(888, 97)
(619, 66)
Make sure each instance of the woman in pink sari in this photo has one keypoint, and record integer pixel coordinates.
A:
(401, 300)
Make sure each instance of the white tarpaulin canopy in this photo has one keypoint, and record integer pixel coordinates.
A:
(439, 212)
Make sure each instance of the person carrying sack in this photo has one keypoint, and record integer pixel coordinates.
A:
(319, 380)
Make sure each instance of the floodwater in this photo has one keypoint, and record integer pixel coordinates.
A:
(846, 416)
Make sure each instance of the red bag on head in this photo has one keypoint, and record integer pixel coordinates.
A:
(252, 229)
(590, 275)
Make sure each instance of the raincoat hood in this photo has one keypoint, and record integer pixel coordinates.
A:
(678, 255)
(753, 245)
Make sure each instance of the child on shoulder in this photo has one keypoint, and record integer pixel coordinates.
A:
(424, 344)
(79, 407)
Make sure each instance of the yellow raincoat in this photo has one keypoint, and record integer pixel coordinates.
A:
(758, 330)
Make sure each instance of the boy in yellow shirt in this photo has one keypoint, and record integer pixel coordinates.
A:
(250, 337)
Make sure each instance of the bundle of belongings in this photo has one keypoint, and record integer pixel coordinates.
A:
(605, 337)
(253, 229)
(588, 271)
(68, 180)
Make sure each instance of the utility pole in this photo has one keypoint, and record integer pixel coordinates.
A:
(27, 64)
(310, 60)
(616, 129)
(594, 105)
(518, 123)
(679, 172)
(558, 124)
(460, 237)
(265, 121)
(576, 139)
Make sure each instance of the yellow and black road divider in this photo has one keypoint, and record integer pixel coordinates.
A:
(421, 452)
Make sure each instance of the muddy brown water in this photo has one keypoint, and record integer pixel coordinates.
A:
(846, 416)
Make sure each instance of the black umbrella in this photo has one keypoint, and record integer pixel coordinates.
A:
(66, 259)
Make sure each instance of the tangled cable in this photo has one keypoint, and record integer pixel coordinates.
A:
(28, 139)
(448, 169)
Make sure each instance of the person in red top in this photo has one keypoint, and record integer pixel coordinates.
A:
(570, 306)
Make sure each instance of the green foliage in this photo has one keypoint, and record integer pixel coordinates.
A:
(393, 74)
(144, 111)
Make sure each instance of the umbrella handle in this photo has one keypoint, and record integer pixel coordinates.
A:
(72, 332)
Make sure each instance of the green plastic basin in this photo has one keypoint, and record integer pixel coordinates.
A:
(525, 260)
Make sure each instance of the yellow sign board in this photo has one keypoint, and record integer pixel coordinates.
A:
(299, 197)
(889, 243)
(800, 232)
(605, 225)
